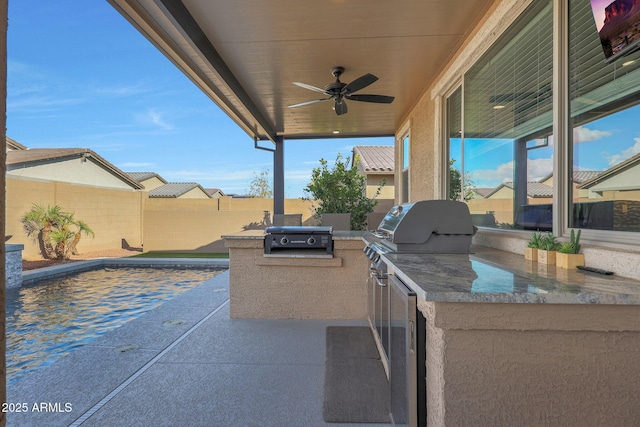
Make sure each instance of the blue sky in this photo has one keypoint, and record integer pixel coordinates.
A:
(79, 75)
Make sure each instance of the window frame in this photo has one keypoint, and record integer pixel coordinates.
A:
(561, 122)
(402, 191)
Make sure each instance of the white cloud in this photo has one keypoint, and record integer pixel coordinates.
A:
(212, 175)
(155, 118)
(298, 175)
(584, 134)
(539, 168)
(120, 91)
(625, 154)
(502, 173)
(41, 103)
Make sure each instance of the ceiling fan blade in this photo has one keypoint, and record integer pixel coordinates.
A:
(381, 99)
(309, 102)
(340, 107)
(359, 83)
(313, 88)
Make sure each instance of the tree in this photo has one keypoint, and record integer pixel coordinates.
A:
(341, 190)
(455, 183)
(260, 185)
(56, 231)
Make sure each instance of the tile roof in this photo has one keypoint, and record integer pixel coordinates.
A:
(143, 176)
(614, 170)
(15, 158)
(13, 144)
(213, 191)
(376, 158)
(582, 176)
(534, 189)
(483, 191)
(175, 189)
(578, 176)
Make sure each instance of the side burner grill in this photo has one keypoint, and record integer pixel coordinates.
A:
(288, 238)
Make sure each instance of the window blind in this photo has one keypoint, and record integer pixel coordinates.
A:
(508, 92)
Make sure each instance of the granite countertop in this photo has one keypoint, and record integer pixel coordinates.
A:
(259, 234)
(492, 276)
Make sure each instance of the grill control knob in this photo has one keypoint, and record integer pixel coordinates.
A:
(284, 241)
(311, 241)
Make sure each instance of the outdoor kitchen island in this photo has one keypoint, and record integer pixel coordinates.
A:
(297, 284)
(508, 342)
(513, 343)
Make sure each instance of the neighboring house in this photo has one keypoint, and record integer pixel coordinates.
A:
(537, 192)
(579, 177)
(478, 193)
(618, 182)
(149, 180)
(215, 193)
(72, 165)
(376, 163)
(14, 145)
(179, 190)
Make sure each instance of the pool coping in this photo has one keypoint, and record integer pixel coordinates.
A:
(31, 276)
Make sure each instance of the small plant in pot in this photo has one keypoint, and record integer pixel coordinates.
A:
(531, 251)
(547, 250)
(568, 256)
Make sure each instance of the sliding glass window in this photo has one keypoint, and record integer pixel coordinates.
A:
(505, 154)
(604, 88)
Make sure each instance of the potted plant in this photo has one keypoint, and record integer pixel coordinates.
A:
(547, 250)
(568, 256)
(531, 251)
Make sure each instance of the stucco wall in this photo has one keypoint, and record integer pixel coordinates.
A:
(297, 287)
(521, 364)
(77, 170)
(198, 224)
(112, 214)
(375, 181)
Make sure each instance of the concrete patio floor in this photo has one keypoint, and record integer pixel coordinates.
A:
(186, 363)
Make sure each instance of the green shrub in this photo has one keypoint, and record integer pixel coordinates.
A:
(341, 190)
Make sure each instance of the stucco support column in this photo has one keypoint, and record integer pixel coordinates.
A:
(3, 168)
(278, 177)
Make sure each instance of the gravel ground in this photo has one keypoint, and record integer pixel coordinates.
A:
(111, 253)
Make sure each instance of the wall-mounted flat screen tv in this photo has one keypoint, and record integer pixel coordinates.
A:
(618, 24)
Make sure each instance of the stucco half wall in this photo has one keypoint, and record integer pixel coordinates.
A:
(290, 287)
(508, 364)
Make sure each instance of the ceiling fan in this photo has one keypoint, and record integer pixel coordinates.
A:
(339, 92)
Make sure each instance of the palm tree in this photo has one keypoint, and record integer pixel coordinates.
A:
(38, 223)
(57, 232)
(82, 227)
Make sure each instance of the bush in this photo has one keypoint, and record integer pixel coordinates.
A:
(341, 189)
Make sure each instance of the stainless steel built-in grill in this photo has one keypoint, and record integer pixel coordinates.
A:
(432, 226)
(287, 238)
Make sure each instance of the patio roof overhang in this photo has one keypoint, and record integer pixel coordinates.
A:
(245, 55)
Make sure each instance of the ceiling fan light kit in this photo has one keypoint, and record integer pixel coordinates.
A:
(339, 92)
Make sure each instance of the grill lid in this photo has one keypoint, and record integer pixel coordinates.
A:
(429, 226)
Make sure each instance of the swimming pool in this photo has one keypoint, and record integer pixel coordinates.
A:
(46, 321)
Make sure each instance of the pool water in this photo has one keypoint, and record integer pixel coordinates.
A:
(47, 321)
